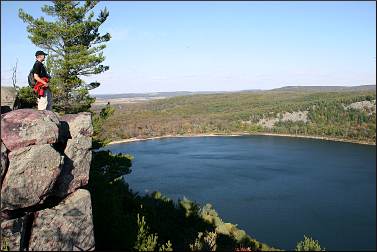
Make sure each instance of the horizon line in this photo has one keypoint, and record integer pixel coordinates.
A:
(238, 90)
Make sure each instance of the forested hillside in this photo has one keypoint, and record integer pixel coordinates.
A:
(345, 115)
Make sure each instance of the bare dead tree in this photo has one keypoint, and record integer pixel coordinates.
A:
(14, 74)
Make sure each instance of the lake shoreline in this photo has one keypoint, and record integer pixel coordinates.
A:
(135, 139)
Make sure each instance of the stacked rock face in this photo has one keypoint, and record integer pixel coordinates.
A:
(45, 162)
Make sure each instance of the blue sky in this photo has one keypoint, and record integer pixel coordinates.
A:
(213, 46)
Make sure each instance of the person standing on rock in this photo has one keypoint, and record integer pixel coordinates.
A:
(42, 88)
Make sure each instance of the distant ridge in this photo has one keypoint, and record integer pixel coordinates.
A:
(153, 94)
(326, 88)
(285, 88)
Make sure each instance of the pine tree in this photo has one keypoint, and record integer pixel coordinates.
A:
(75, 49)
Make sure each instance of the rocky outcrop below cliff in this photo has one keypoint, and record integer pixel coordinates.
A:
(45, 163)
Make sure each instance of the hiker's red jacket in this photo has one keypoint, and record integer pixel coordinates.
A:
(40, 88)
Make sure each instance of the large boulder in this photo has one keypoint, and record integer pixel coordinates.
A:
(31, 175)
(4, 160)
(44, 156)
(75, 171)
(78, 154)
(24, 127)
(67, 226)
(79, 124)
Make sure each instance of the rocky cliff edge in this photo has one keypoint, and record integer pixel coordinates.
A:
(45, 162)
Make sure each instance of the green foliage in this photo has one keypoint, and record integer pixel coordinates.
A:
(98, 120)
(75, 49)
(308, 244)
(172, 220)
(109, 198)
(26, 98)
(240, 113)
(189, 206)
(144, 241)
(166, 247)
(204, 241)
(111, 166)
(238, 237)
(209, 214)
(106, 112)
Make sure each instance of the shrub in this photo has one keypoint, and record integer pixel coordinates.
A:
(204, 241)
(308, 244)
(166, 247)
(26, 98)
(144, 240)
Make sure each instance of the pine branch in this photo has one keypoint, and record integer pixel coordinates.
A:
(75, 46)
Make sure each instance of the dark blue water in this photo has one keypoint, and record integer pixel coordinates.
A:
(275, 188)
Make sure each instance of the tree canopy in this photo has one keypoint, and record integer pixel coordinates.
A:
(75, 47)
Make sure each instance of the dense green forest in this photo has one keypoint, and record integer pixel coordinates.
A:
(240, 112)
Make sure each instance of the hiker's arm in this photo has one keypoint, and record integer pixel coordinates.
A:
(36, 77)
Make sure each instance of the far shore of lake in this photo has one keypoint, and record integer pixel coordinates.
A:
(135, 139)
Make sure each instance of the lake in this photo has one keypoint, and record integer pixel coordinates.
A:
(275, 188)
